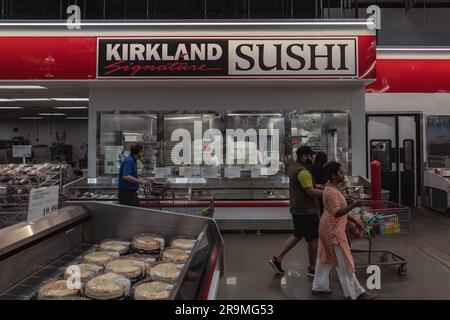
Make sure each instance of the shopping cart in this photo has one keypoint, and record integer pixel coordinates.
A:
(197, 203)
(381, 218)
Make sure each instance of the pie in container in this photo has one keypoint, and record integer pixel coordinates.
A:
(100, 257)
(186, 244)
(149, 259)
(118, 246)
(130, 268)
(87, 270)
(147, 243)
(166, 272)
(152, 290)
(176, 255)
(56, 289)
(107, 286)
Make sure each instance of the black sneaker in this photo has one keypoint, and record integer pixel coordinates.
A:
(276, 265)
(310, 273)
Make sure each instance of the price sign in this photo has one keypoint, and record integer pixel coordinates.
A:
(43, 203)
(190, 172)
(209, 172)
(21, 151)
(163, 172)
(232, 172)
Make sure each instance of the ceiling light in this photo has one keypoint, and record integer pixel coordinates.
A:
(21, 87)
(5, 100)
(77, 118)
(70, 99)
(172, 23)
(183, 118)
(69, 108)
(31, 118)
(254, 114)
(51, 114)
(31, 99)
(11, 108)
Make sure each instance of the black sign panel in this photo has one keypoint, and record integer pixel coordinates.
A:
(143, 58)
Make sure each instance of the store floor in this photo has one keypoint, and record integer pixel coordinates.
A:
(426, 247)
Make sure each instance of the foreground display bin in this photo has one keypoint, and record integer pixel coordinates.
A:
(31, 254)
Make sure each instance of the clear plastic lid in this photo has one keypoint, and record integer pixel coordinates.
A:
(166, 271)
(148, 243)
(57, 289)
(185, 243)
(151, 290)
(129, 267)
(82, 271)
(100, 257)
(115, 245)
(176, 255)
(107, 286)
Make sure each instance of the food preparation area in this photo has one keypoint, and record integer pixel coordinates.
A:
(426, 247)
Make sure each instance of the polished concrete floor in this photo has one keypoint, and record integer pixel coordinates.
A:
(426, 248)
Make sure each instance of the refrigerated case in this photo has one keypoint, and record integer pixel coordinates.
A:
(33, 254)
(437, 190)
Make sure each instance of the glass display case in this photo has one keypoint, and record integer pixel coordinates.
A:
(230, 144)
(323, 131)
(438, 141)
(117, 131)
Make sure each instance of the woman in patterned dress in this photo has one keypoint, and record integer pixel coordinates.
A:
(334, 249)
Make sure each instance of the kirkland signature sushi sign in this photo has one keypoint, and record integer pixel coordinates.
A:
(227, 58)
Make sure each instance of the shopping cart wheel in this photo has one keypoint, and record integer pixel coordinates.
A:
(402, 270)
(384, 258)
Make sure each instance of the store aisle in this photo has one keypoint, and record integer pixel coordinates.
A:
(426, 247)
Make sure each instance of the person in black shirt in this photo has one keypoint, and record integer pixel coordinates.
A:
(317, 169)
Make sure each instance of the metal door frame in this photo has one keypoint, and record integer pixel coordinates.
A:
(418, 117)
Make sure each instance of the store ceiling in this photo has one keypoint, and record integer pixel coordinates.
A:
(30, 108)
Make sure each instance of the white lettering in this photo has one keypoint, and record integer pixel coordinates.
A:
(373, 281)
(151, 52)
(74, 20)
(137, 51)
(112, 52)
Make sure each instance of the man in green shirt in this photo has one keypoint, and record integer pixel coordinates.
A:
(304, 207)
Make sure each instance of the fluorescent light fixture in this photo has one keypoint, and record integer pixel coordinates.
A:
(413, 49)
(31, 99)
(10, 108)
(183, 118)
(70, 108)
(171, 23)
(31, 118)
(76, 118)
(23, 87)
(254, 114)
(5, 100)
(70, 99)
(51, 114)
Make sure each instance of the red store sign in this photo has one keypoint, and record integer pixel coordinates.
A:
(90, 58)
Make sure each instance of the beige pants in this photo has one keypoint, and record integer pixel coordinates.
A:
(349, 283)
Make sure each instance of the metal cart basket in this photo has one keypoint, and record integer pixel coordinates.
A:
(382, 218)
(196, 203)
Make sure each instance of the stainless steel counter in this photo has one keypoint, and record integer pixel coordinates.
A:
(33, 254)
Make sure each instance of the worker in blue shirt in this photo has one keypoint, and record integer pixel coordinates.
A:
(128, 177)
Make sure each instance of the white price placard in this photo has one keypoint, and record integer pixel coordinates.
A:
(209, 172)
(190, 172)
(232, 172)
(163, 172)
(43, 203)
(21, 151)
(256, 173)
